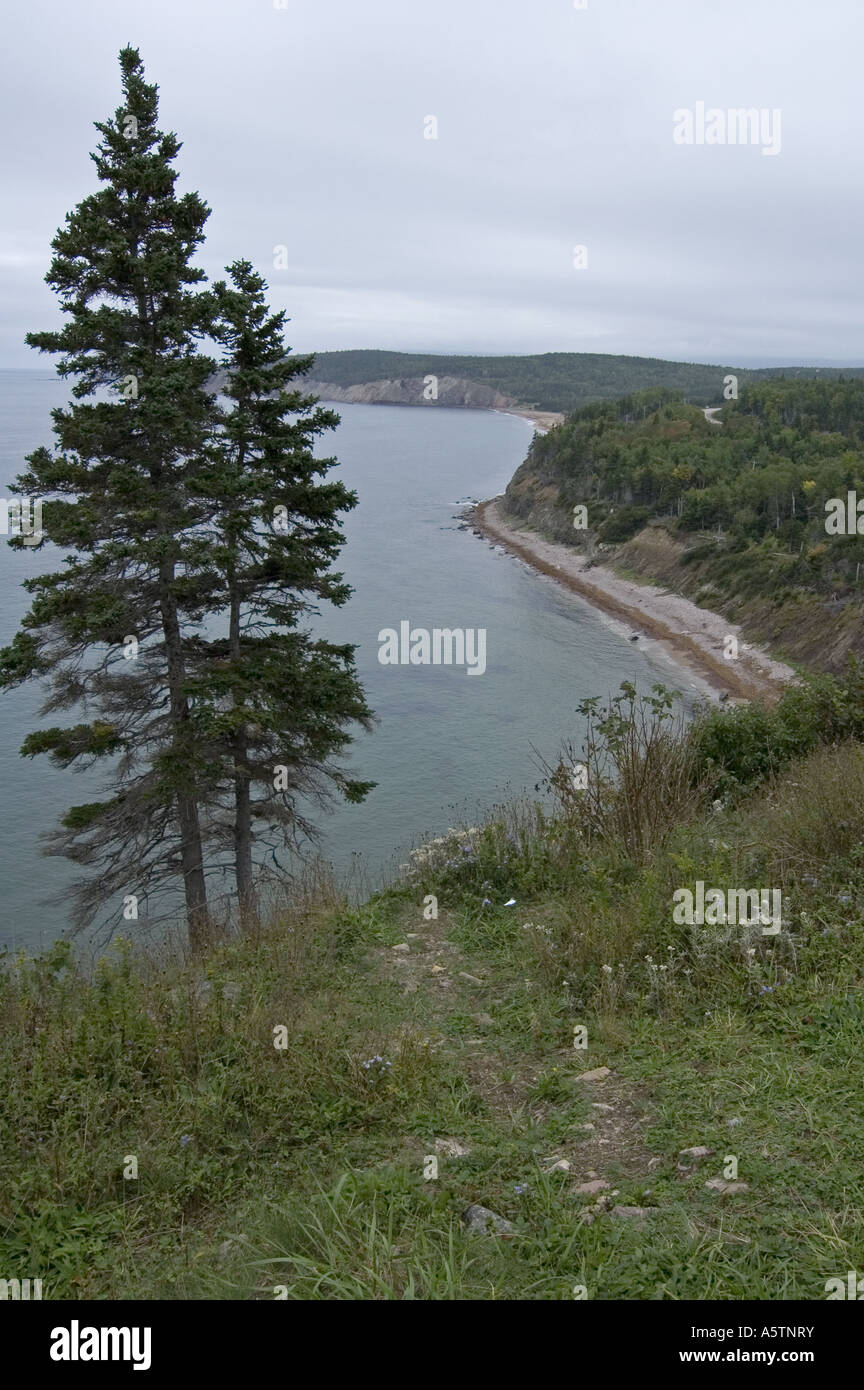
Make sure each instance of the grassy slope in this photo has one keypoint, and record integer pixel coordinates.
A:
(261, 1168)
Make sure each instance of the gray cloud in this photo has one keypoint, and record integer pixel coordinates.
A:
(304, 127)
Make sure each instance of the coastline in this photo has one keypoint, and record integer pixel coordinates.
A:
(692, 637)
(542, 420)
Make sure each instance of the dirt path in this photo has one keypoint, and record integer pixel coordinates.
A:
(443, 985)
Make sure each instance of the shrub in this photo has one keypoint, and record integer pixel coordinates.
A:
(638, 773)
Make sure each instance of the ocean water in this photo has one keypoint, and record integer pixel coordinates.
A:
(447, 745)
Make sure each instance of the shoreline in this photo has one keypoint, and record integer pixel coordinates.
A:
(542, 420)
(692, 637)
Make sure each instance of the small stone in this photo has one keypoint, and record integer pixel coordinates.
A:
(439, 970)
(560, 1165)
(590, 1189)
(698, 1151)
(632, 1213)
(228, 1245)
(451, 1148)
(598, 1074)
(484, 1020)
(403, 947)
(601, 1105)
(727, 1188)
(463, 975)
(484, 1221)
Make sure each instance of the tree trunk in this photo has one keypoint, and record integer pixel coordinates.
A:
(191, 854)
(242, 804)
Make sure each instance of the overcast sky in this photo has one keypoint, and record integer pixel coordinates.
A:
(305, 127)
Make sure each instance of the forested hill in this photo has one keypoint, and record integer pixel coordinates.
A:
(732, 515)
(555, 381)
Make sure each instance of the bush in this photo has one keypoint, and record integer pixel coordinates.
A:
(746, 744)
(637, 768)
(623, 523)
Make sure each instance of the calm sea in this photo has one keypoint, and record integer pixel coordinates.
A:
(447, 745)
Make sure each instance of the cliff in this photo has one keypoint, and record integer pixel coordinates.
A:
(448, 391)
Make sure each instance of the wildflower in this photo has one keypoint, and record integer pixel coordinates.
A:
(607, 969)
(375, 1061)
(487, 902)
(767, 989)
(185, 1139)
(520, 1188)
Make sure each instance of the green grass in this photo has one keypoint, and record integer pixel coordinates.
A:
(298, 1173)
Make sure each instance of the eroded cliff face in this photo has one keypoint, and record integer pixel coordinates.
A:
(444, 390)
(803, 628)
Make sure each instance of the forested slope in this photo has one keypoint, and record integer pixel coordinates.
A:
(734, 516)
(557, 381)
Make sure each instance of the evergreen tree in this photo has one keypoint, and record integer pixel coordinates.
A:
(280, 702)
(120, 498)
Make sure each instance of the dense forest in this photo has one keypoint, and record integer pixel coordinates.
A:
(562, 381)
(733, 512)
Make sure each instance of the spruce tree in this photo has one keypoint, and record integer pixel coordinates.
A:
(279, 701)
(120, 499)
